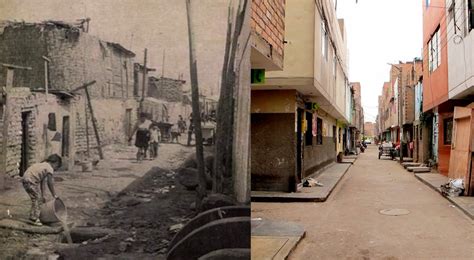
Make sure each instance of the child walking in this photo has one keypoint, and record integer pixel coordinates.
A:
(34, 181)
(155, 136)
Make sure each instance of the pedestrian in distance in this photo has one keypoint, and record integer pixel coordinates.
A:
(155, 138)
(175, 134)
(34, 180)
(181, 125)
(142, 138)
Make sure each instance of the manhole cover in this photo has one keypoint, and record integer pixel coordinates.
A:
(394, 212)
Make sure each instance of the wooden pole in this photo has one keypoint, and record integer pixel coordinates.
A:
(46, 83)
(201, 190)
(88, 150)
(94, 125)
(143, 81)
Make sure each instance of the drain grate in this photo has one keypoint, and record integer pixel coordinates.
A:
(394, 212)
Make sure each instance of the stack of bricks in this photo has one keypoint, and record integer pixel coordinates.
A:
(268, 21)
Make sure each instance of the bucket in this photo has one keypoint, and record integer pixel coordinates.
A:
(53, 211)
(86, 166)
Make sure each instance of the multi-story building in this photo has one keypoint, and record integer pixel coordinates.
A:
(306, 94)
(457, 131)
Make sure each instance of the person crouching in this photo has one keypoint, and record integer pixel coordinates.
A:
(34, 181)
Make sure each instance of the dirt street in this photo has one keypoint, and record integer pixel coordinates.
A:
(137, 201)
(349, 226)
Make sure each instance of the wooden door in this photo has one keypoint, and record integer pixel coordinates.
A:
(462, 147)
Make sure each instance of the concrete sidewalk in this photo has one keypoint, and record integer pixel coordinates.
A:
(329, 177)
(274, 239)
(435, 180)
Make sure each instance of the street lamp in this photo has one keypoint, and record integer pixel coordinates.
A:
(400, 126)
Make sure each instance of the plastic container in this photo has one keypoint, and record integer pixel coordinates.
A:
(53, 211)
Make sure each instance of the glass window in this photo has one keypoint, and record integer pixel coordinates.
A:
(434, 51)
(448, 130)
(324, 39)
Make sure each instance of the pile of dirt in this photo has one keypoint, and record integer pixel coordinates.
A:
(142, 215)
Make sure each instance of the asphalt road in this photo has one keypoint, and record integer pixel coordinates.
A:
(349, 224)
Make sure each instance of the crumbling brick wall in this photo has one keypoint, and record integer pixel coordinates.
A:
(268, 21)
(38, 107)
(166, 89)
(76, 58)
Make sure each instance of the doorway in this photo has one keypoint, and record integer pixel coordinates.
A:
(128, 123)
(25, 141)
(65, 138)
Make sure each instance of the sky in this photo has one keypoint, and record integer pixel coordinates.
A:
(379, 32)
(159, 25)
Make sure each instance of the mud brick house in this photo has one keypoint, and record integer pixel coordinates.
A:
(172, 93)
(63, 56)
(38, 125)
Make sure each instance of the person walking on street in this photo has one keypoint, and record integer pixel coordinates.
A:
(155, 138)
(142, 138)
(36, 177)
(175, 133)
(181, 125)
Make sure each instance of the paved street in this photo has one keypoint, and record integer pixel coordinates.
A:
(349, 226)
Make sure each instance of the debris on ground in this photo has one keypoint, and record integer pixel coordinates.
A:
(310, 182)
(454, 188)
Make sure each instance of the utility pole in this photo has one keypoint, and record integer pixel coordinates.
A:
(201, 190)
(400, 121)
(143, 82)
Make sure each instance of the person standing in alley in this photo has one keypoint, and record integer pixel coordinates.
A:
(175, 133)
(142, 138)
(36, 177)
(155, 138)
(181, 125)
(190, 129)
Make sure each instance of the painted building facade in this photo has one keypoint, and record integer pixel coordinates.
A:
(299, 113)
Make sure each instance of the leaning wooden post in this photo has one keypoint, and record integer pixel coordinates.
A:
(201, 190)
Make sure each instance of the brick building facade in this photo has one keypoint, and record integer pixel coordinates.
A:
(75, 58)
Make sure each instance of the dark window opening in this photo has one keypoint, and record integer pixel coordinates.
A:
(308, 139)
(421, 133)
(470, 4)
(52, 121)
(334, 134)
(448, 130)
(319, 131)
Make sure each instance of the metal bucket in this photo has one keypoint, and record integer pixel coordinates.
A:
(53, 211)
(86, 166)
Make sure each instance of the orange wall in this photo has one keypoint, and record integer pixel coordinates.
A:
(435, 84)
(444, 151)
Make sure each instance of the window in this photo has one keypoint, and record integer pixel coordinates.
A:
(52, 121)
(470, 4)
(427, 3)
(324, 41)
(334, 134)
(434, 51)
(448, 130)
(334, 66)
(319, 132)
(421, 133)
(308, 140)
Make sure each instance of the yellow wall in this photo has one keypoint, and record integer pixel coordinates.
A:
(299, 33)
(273, 101)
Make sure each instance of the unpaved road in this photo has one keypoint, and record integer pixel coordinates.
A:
(349, 226)
(138, 200)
